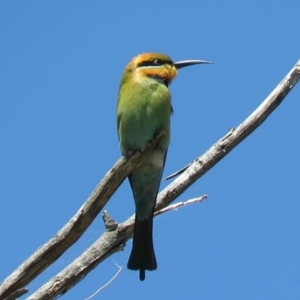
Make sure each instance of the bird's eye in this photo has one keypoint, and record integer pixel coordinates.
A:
(149, 63)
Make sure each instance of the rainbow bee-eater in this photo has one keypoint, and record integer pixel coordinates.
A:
(144, 108)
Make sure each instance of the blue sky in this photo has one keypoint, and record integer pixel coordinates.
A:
(60, 66)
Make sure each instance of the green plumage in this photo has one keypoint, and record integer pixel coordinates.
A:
(143, 109)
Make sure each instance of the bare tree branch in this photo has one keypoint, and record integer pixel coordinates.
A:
(18, 293)
(71, 232)
(180, 204)
(235, 136)
(111, 242)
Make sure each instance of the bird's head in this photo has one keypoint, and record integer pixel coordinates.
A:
(157, 66)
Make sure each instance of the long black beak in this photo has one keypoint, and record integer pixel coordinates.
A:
(185, 63)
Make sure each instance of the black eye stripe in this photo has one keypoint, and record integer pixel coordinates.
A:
(149, 63)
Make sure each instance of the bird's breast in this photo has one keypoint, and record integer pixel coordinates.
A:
(143, 110)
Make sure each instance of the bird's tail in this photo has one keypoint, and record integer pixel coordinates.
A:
(142, 255)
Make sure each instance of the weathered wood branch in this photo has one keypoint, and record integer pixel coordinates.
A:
(221, 148)
(72, 231)
(109, 243)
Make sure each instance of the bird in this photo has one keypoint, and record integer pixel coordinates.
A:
(143, 109)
